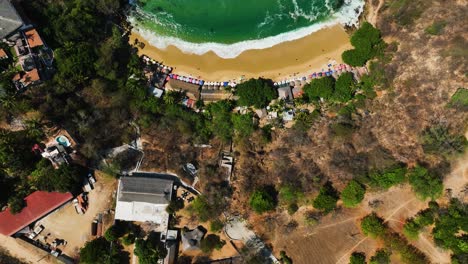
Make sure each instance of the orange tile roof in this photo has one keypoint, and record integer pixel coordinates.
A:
(30, 76)
(38, 204)
(3, 54)
(33, 38)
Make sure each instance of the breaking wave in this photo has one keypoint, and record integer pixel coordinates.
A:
(347, 15)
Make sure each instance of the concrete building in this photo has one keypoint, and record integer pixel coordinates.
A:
(143, 197)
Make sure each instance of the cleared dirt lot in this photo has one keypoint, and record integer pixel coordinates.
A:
(76, 229)
(337, 236)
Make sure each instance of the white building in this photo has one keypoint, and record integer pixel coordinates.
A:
(143, 197)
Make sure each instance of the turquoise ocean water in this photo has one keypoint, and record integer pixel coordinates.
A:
(230, 26)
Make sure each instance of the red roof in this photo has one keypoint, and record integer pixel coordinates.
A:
(38, 204)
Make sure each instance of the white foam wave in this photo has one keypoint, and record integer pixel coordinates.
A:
(348, 15)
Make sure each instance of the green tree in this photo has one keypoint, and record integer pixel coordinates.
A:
(16, 203)
(372, 226)
(367, 44)
(355, 57)
(425, 184)
(352, 194)
(128, 239)
(411, 229)
(99, 250)
(285, 259)
(381, 256)
(320, 88)
(262, 201)
(73, 64)
(112, 234)
(150, 250)
(357, 258)
(344, 88)
(327, 198)
(256, 92)
(174, 206)
(67, 178)
(450, 223)
(211, 242)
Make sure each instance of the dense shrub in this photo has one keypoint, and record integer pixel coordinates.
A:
(289, 194)
(388, 177)
(381, 256)
(211, 242)
(292, 208)
(352, 194)
(357, 258)
(436, 28)
(202, 208)
(262, 201)
(460, 99)
(438, 140)
(243, 124)
(221, 123)
(304, 120)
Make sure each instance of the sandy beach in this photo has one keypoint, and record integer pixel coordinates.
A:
(285, 60)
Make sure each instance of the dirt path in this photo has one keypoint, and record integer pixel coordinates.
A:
(437, 255)
(345, 257)
(373, 12)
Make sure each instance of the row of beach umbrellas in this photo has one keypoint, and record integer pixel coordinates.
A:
(323, 73)
(150, 61)
(186, 79)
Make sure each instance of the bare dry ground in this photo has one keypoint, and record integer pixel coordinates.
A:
(76, 229)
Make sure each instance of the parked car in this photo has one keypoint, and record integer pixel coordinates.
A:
(91, 179)
(37, 230)
(87, 187)
(77, 206)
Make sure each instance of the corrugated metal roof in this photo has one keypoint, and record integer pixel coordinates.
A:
(145, 189)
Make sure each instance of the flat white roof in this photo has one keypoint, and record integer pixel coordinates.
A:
(142, 212)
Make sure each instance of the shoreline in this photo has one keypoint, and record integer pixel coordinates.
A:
(289, 59)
